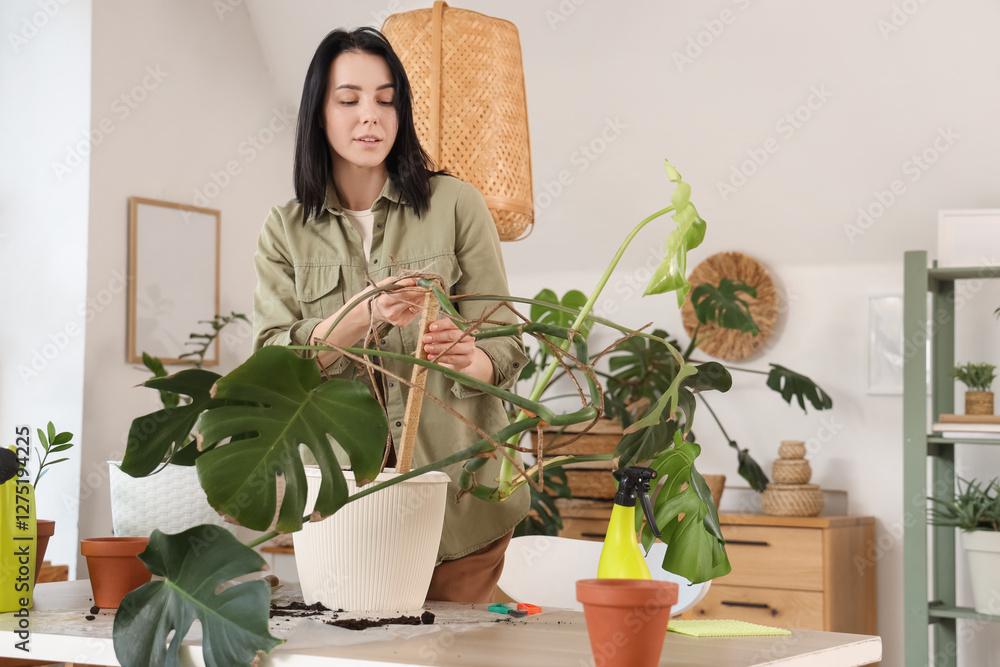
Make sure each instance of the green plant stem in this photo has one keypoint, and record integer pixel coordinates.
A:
(506, 468)
(725, 435)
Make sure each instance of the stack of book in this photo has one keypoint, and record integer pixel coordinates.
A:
(967, 426)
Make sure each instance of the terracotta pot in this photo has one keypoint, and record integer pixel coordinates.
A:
(46, 529)
(626, 619)
(115, 568)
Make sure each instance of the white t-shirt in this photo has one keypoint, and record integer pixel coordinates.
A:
(363, 221)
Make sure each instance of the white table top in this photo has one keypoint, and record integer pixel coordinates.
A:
(463, 635)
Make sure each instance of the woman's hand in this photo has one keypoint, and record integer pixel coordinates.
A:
(398, 308)
(438, 345)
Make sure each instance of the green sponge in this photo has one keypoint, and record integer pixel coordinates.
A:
(722, 628)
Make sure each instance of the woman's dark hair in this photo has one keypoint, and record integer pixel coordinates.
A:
(407, 163)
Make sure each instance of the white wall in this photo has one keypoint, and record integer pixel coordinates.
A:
(609, 76)
(786, 118)
(44, 115)
(186, 89)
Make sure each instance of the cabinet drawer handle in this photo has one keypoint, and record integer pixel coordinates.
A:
(749, 543)
(595, 536)
(753, 605)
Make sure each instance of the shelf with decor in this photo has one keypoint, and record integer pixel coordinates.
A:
(929, 551)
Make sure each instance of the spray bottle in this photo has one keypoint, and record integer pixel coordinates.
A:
(621, 557)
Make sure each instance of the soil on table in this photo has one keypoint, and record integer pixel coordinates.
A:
(302, 610)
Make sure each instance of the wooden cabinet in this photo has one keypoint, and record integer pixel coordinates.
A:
(812, 573)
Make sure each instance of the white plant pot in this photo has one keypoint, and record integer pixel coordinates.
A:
(983, 549)
(376, 553)
(171, 500)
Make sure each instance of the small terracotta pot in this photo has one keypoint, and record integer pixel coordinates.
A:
(115, 568)
(626, 619)
(46, 529)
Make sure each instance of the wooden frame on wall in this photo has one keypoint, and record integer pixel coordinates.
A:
(173, 287)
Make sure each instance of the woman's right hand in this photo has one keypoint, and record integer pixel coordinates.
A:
(401, 307)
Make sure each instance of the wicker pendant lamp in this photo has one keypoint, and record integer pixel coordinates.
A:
(469, 104)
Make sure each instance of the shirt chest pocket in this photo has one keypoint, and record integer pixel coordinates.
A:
(447, 267)
(319, 290)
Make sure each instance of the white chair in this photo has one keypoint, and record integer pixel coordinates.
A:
(544, 570)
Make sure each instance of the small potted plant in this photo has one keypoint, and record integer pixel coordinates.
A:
(974, 508)
(978, 378)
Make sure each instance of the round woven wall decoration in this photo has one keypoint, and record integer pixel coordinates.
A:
(729, 344)
(469, 105)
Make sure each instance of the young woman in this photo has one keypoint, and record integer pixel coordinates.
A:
(367, 204)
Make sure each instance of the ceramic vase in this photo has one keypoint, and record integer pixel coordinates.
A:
(115, 568)
(626, 619)
(983, 550)
(171, 500)
(46, 529)
(376, 553)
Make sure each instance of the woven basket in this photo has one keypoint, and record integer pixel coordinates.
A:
(596, 484)
(792, 449)
(469, 104)
(792, 500)
(979, 402)
(791, 471)
(730, 344)
(602, 438)
(171, 500)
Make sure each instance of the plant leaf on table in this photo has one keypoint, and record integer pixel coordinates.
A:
(194, 564)
(281, 402)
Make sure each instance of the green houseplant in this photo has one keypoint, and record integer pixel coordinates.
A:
(642, 369)
(974, 508)
(978, 378)
(249, 429)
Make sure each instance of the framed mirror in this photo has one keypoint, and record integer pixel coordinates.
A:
(173, 286)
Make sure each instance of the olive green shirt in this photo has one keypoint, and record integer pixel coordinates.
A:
(306, 272)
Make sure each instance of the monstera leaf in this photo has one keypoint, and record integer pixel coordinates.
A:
(671, 274)
(788, 383)
(283, 404)
(154, 437)
(643, 444)
(696, 547)
(152, 621)
(723, 306)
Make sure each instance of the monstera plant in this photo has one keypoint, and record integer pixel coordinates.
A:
(251, 422)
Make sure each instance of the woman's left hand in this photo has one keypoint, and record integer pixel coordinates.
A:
(441, 334)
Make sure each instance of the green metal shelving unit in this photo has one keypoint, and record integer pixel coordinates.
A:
(929, 551)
